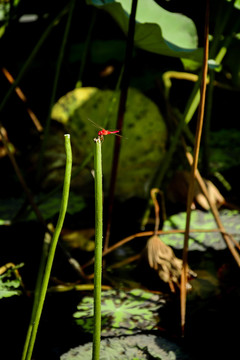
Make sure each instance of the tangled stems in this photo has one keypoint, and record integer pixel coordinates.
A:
(98, 249)
(28, 349)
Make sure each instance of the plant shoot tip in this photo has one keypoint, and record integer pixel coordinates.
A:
(98, 139)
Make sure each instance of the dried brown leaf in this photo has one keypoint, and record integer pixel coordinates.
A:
(162, 259)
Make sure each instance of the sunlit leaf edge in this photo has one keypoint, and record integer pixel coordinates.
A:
(150, 34)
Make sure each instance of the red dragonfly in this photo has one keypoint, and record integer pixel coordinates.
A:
(104, 132)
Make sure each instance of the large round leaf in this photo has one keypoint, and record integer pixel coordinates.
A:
(143, 145)
(123, 313)
(157, 30)
(204, 221)
(137, 347)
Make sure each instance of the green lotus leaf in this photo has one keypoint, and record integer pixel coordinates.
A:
(122, 312)
(204, 221)
(156, 29)
(137, 347)
(143, 143)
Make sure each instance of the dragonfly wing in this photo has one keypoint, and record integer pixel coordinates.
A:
(96, 125)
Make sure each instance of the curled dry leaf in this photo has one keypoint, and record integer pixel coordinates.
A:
(178, 189)
(162, 259)
(214, 195)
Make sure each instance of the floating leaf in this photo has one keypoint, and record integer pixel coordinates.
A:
(122, 312)
(156, 29)
(204, 221)
(138, 347)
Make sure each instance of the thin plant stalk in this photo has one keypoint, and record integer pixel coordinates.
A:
(160, 173)
(120, 117)
(37, 290)
(228, 238)
(20, 177)
(98, 249)
(107, 122)
(54, 90)
(31, 57)
(207, 126)
(86, 48)
(56, 189)
(224, 13)
(56, 234)
(183, 293)
(23, 98)
(190, 109)
(142, 234)
(218, 58)
(73, 262)
(222, 18)
(191, 106)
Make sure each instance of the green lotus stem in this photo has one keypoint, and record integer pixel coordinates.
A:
(42, 294)
(37, 290)
(193, 106)
(98, 249)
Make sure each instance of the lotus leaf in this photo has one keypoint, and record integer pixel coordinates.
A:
(138, 347)
(156, 30)
(122, 313)
(141, 153)
(204, 221)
